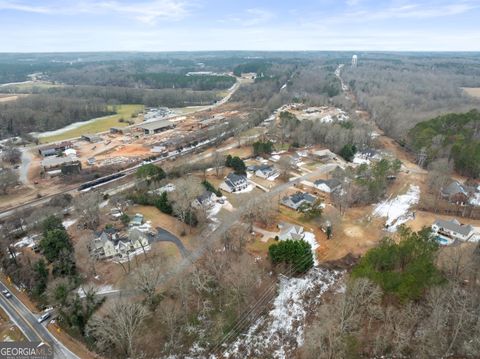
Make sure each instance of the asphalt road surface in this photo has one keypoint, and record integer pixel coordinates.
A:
(27, 322)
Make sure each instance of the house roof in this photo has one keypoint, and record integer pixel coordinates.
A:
(289, 228)
(454, 226)
(301, 196)
(454, 188)
(233, 179)
(206, 195)
(331, 183)
(57, 146)
(265, 168)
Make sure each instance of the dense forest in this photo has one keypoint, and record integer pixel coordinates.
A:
(403, 91)
(197, 82)
(453, 136)
(43, 113)
(409, 299)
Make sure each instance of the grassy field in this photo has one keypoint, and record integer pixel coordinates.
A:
(28, 86)
(100, 124)
(472, 91)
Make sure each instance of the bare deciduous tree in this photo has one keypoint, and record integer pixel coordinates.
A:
(8, 179)
(87, 206)
(186, 190)
(119, 327)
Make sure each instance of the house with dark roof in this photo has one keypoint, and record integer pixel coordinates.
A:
(234, 183)
(296, 200)
(206, 200)
(452, 230)
(456, 192)
(328, 186)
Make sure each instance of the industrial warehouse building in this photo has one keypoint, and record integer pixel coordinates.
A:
(153, 127)
(55, 149)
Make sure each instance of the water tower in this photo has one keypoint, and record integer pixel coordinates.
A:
(354, 60)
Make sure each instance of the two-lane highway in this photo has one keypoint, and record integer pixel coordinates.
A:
(27, 322)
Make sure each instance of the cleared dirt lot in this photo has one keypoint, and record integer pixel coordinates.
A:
(472, 91)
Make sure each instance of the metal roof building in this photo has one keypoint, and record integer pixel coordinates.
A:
(152, 127)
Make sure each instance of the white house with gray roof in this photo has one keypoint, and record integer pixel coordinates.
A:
(295, 200)
(452, 230)
(266, 172)
(234, 183)
(328, 186)
(290, 231)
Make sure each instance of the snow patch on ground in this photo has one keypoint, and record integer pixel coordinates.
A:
(397, 210)
(360, 159)
(245, 190)
(104, 289)
(310, 239)
(69, 222)
(475, 199)
(279, 333)
(28, 241)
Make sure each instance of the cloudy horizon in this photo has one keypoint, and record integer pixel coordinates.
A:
(203, 25)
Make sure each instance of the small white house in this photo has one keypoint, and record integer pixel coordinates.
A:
(266, 172)
(328, 186)
(290, 231)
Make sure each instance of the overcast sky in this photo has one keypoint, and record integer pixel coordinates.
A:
(169, 25)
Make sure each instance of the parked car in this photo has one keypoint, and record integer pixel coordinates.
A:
(6, 293)
(44, 317)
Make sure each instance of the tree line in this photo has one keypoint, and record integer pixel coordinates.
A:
(452, 136)
(400, 95)
(404, 299)
(43, 113)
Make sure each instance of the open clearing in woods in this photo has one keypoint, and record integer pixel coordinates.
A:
(472, 91)
(101, 124)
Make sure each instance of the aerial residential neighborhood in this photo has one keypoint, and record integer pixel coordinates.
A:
(225, 181)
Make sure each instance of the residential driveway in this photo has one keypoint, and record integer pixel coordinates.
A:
(24, 166)
(266, 234)
(165, 236)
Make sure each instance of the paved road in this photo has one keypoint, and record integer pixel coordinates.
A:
(27, 322)
(211, 237)
(165, 236)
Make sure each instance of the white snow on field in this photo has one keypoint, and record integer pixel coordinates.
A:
(475, 199)
(248, 189)
(213, 211)
(28, 241)
(396, 210)
(69, 222)
(104, 289)
(279, 333)
(360, 159)
(310, 239)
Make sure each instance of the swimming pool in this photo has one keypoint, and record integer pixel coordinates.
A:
(442, 241)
